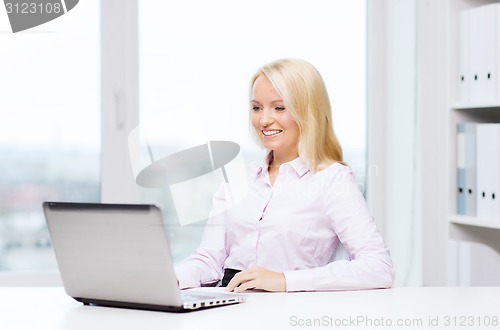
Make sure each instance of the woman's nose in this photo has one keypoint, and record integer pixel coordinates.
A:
(266, 118)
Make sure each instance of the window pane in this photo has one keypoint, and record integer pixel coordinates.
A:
(49, 128)
(196, 59)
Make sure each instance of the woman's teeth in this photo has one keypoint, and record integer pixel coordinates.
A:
(273, 132)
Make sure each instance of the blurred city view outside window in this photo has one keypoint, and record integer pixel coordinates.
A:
(49, 129)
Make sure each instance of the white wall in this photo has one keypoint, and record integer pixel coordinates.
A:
(407, 39)
(432, 95)
(392, 132)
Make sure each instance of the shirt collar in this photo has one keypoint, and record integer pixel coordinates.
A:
(298, 165)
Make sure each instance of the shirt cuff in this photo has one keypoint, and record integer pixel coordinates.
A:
(185, 281)
(299, 280)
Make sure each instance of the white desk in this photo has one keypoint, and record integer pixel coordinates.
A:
(475, 308)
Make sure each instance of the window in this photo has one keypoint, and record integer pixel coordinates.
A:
(50, 129)
(196, 59)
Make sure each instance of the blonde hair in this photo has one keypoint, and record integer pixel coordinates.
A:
(304, 93)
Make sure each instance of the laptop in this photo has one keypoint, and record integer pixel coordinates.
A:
(118, 255)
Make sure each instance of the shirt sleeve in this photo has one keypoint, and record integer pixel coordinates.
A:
(205, 264)
(370, 264)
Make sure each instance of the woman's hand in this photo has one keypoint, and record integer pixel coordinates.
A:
(257, 278)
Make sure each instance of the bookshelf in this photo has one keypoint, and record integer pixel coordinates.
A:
(475, 230)
(466, 228)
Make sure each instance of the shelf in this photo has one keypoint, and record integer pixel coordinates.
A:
(467, 266)
(474, 221)
(476, 230)
(475, 105)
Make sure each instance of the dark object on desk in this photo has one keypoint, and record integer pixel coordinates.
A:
(228, 275)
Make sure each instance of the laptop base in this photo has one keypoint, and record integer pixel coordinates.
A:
(148, 307)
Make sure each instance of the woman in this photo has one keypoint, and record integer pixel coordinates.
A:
(302, 205)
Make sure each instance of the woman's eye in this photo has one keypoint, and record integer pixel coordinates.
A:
(280, 108)
(255, 108)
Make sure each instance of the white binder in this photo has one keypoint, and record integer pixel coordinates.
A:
(461, 184)
(483, 59)
(475, 53)
(498, 50)
(463, 57)
(488, 171)
(470, 169)
(466, 169)
(489, 66)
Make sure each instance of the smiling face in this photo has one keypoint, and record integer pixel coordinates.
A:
(277, 130)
